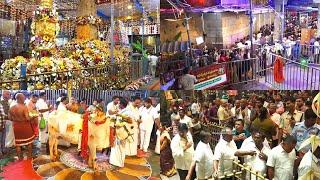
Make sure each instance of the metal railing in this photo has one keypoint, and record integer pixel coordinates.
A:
(90, 96)
(298, 51)
(297, 76)
(243, 171)
(245, 71)
(240, 171)
(98, 77)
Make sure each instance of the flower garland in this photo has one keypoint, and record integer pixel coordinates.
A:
(47, 14)
(84, 20)
(45, 27)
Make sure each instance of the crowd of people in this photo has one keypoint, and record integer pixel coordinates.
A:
(24, 121)
(240, 68)
(263, 129)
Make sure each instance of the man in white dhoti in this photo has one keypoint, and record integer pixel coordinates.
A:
(118, 150)
(63, 107)
(133, 112)
(148, 115)
(6, 102)
(44, 109)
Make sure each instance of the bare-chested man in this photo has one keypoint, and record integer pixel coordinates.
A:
(23, 131)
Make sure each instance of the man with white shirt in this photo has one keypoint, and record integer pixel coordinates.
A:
(236, 110)
(184, 118)
(63, 104)
(8, 139)
(118, 150)
(132, 110)
(182, 150)
(256, 153)
(224, 153)
(113, 106)
(148, 115)
(276, 118)
(195, 108)
(281, 160)
(44, 109)
(203, 158)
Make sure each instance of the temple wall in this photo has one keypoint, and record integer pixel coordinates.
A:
(169, 29)
(221, 28)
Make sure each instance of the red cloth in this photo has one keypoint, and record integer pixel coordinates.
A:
(278, 70)
(21, 170)
(112, 137)
(35, 127)
(84, 139)
(23, 133)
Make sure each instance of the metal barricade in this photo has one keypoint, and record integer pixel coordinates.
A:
(243, 171)
(98, 77)
(297, 75)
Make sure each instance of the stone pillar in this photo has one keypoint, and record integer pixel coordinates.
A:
(277, 23)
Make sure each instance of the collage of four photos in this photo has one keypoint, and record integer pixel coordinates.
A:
(160, 89)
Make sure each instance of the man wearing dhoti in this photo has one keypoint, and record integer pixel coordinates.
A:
(118, 147)
(44, 109)
(23, 131)
(133, 112)
(148, 116)
(7, 139)
(33, 109)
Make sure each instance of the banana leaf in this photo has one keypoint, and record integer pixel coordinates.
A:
(138, 46)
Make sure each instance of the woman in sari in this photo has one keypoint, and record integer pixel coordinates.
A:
(167, 166)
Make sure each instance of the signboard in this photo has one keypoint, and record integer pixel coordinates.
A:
(210, 76)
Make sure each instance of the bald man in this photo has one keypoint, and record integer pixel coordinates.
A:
(22, 128)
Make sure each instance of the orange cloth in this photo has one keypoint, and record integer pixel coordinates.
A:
(278, 70)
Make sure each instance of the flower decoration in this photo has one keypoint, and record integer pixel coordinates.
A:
(84, 20)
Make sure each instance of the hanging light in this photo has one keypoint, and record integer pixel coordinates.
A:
(129, 6)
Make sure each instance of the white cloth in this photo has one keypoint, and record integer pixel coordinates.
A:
(148, 116)
(316, 47)
(282, 162)
(276, 118)
(248, 143)
(233, 112)
(61, 107)
(309, 162)
(41, 105)
(111, 106)
(10, 140)
(255, 162)
(157, 149)
(134, 113)
(118, 153)
(203, 156)
(195, 108)
(183, 159)
(224, 153)
(187, 120)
